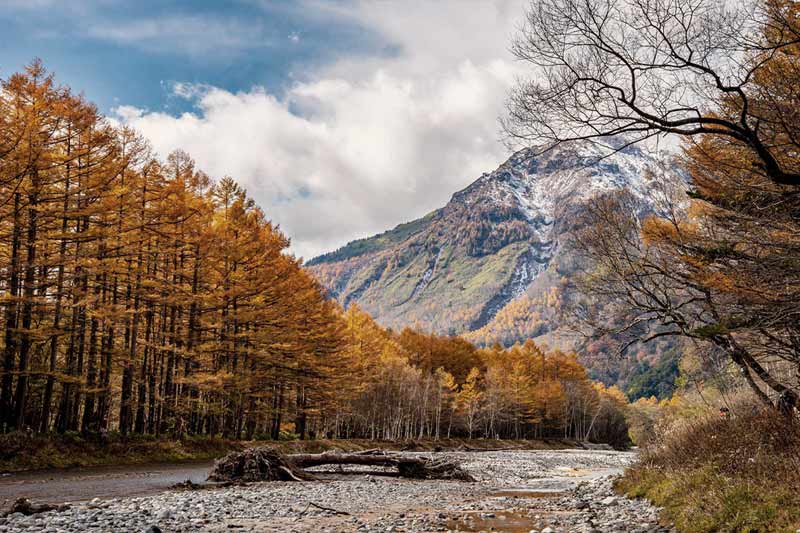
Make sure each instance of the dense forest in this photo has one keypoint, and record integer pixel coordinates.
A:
(141, 296)
(138, 294)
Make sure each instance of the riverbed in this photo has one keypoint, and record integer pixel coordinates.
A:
(515, 491)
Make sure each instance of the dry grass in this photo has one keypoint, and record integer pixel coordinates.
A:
(22, 451)
(740, 474)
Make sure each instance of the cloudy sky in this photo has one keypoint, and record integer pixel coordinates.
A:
(341, 118)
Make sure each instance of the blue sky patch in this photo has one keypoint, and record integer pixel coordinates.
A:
(121, 52)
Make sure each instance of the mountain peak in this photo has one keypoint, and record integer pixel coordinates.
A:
(495, 241)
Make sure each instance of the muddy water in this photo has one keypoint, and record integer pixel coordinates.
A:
(521, 521)
(83, 484)
(508, 521)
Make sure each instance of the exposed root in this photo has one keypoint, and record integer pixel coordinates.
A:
(257, 464)
(433, 469)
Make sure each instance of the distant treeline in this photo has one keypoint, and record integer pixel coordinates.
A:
(415, 385)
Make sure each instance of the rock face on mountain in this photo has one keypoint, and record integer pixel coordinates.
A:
(492, 263)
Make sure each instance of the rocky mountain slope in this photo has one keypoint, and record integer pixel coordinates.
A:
(492, 264)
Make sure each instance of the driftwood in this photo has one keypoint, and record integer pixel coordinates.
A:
(329, 509)
(407, 466)
(312, 504)
(257, 464)
(267, 464)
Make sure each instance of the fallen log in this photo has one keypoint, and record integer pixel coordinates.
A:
(416, 467)
(267, 464)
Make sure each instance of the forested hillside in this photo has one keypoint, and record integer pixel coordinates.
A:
(141, 296)
(416, 385)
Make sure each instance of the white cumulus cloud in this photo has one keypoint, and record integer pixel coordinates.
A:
(366, 142)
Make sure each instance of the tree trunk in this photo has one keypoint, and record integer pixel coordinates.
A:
(62, 257)
(21, 395)
(10, 352)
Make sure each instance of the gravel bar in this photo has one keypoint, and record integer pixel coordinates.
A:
(516, 491)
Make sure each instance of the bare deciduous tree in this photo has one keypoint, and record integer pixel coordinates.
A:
(652, 289)
(643, 68)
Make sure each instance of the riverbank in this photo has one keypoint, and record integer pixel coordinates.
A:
(20, 452)
(550, 491)
(723, 474)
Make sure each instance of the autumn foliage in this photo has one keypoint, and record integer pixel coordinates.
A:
(719, 268)
(137, 294)
(423, 386)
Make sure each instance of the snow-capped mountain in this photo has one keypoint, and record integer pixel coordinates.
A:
(491, 263)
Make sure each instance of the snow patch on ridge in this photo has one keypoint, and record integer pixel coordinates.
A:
(426, 276)
(543, 187)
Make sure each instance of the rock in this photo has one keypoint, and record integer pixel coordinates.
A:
(611, 500)
(21, 507)
(153, 529)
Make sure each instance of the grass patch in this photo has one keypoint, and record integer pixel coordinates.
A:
(738, 475)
